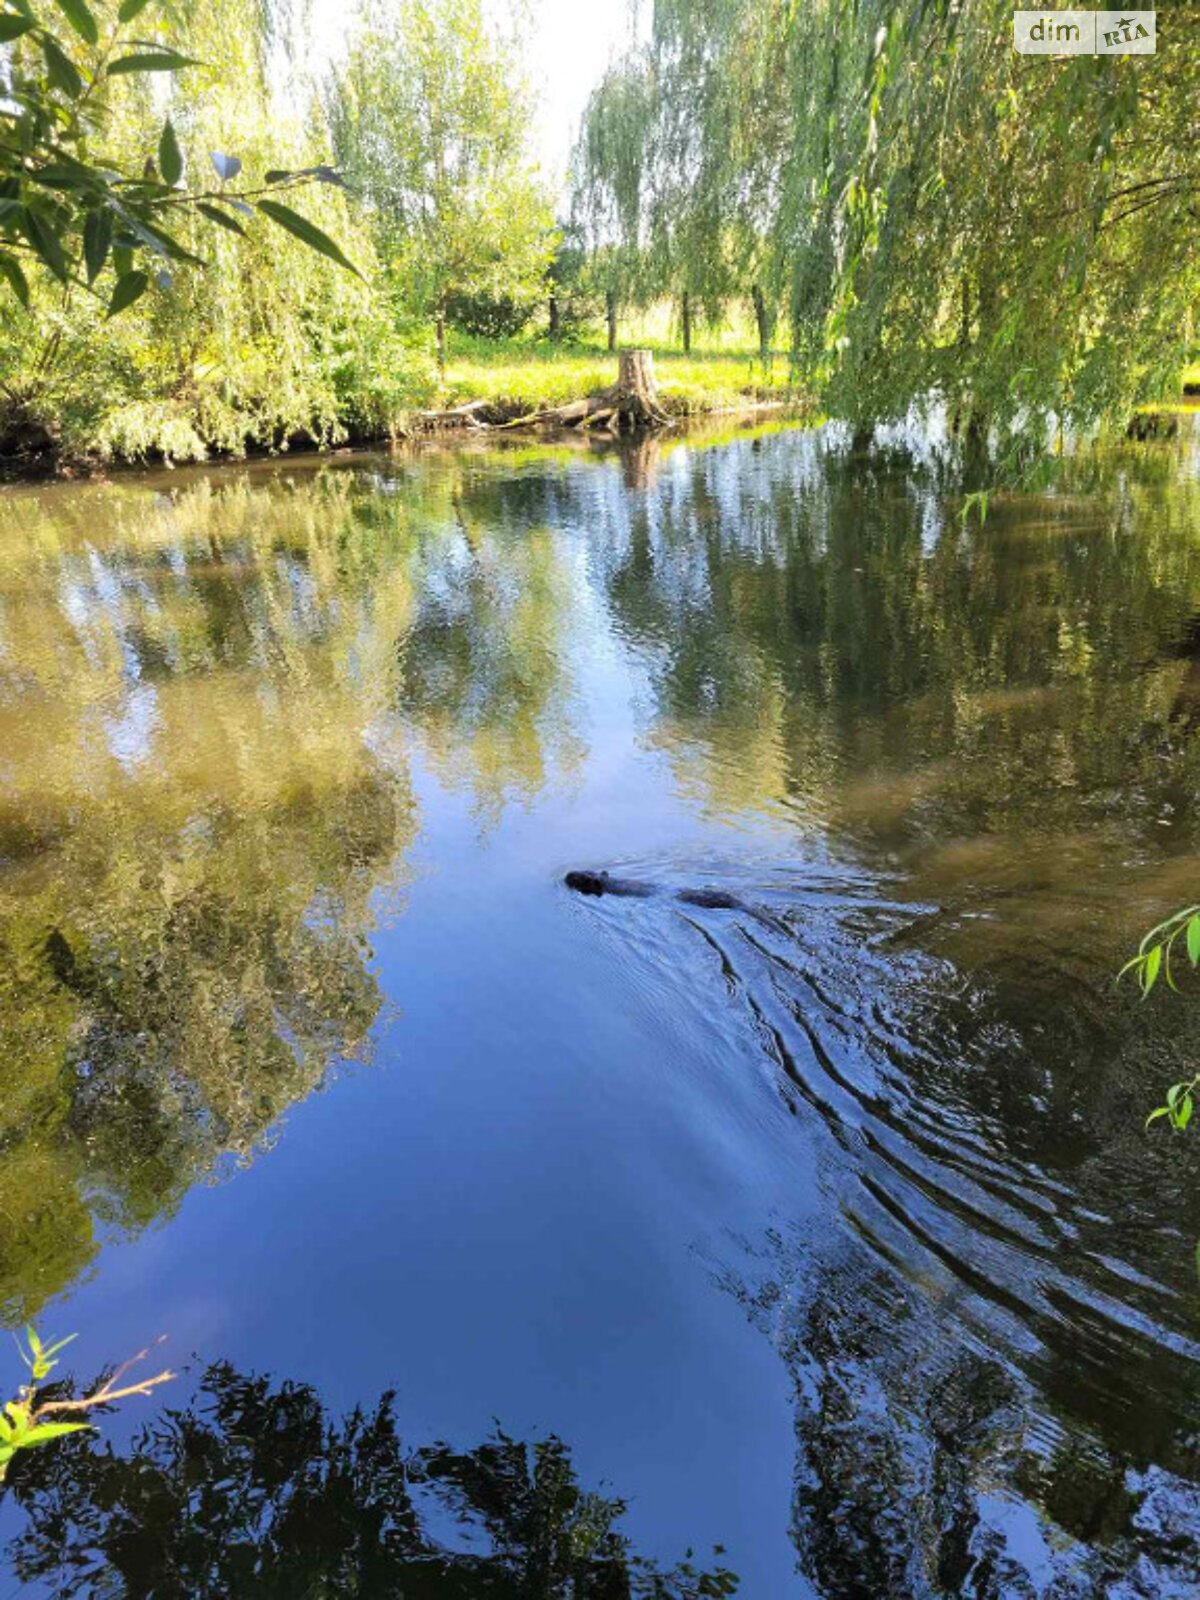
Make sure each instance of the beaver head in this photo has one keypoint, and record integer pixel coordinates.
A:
(587, 882)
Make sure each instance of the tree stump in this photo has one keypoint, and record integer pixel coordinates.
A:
(635, 398)
(630, 406)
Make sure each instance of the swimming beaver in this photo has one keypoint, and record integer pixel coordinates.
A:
(598, 883)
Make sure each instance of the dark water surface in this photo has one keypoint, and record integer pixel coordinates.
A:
(823, 1226)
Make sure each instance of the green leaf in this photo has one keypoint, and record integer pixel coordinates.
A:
(163, 60)
(160, 241)
(306, 231)
(1151, 969)
(324, 174)
(10, 270)
(80, 18)
(69, 177)
(170, 158)
(61, 70)
(215, 214)
(45, 241)
(13, 25)
(45, 1431)
(1193, 940)
(122, 259)
(61, 1344)
(97, 240)
(131, 286)
(1183, 1113)
(1162, 1111)
(130, 9)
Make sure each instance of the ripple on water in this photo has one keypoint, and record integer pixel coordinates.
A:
(996, 1385)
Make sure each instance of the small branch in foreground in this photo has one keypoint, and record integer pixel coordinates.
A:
(107, 1393)
(25, 1423)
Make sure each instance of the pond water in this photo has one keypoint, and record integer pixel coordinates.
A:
(820, 1225)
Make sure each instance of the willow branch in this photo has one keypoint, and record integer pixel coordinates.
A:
(106, 1396)
(108, 1392)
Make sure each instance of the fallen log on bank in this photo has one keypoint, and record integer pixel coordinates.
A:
(475, 414)
(631, 405)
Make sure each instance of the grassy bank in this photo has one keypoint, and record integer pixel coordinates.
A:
(524, 375)
(515, 376)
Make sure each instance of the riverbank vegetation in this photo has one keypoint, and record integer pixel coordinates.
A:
(940, 216)
(900, 208)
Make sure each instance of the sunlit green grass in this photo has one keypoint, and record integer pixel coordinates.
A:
(534, 374)
(549, 378)
(531, 374)
(1182, 402)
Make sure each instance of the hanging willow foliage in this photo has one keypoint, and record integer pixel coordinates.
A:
(174, 244)
(1013, 235)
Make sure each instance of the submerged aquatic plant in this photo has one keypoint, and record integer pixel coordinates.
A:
(31, 1420)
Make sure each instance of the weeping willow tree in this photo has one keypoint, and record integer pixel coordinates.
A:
(234, 332)
(943, 217)
(678, 161)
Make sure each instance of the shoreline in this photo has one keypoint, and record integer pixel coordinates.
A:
(489, 422)
(460, 425)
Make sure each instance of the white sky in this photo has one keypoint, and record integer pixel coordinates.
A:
(571, 43)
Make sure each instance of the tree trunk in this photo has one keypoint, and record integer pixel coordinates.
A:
(629, 407)
(635, 397)
(554, 320)
(687, 323)
(440, 334)
(976, 462)
(760, 318)
(611, 301)
(636, 375)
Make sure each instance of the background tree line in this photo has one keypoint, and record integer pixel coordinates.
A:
(925, 212)
(935, 214)
(149, 306)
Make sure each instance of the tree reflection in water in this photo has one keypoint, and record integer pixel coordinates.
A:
(254, 1490)
(972, 748)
